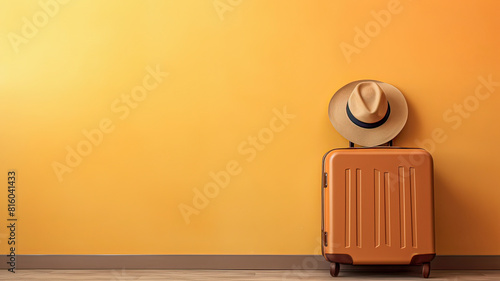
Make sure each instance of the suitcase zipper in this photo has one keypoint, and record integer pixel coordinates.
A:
(325, 180)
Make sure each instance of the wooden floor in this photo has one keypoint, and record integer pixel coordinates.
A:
(262, 275)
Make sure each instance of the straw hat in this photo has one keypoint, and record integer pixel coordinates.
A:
(368, 112)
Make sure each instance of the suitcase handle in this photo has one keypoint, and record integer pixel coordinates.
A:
(351, 144)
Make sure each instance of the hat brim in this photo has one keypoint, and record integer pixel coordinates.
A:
(362, 136)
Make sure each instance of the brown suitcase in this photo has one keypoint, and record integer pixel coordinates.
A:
(377, 207)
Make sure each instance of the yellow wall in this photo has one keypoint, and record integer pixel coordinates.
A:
(225, 74)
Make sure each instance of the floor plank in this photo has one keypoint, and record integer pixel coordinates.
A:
(261, 275)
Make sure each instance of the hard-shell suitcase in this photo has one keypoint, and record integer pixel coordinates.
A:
(377, 207)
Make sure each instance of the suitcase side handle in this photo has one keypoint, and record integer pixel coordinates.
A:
(351, 144)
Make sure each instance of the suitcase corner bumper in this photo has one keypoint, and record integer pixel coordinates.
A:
(420, 259)
(339, 258)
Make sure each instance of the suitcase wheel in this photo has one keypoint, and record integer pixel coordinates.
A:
(334, 269)
(426, 270)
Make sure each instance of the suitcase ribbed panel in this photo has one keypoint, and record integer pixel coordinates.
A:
(348, 207)
(353, 208)
(377, 206)
(405, 223)
(413, 202)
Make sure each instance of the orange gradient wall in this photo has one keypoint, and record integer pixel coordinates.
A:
(198, 127)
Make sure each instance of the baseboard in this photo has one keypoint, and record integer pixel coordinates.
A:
(282, 262)
(466, 262)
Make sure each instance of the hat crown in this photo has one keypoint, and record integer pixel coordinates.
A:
(368, 102)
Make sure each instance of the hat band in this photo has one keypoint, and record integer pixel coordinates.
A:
(368, 125)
